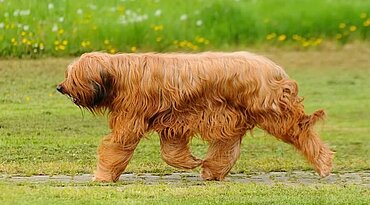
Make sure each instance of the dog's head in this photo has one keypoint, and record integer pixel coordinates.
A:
(88, 81)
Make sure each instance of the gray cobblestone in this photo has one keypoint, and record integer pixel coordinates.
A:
(296, 177)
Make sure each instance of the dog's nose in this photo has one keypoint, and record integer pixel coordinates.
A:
(60, 89)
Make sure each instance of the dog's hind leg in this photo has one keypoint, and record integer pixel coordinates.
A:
(175, 149)
(113, 158)
(221, 157)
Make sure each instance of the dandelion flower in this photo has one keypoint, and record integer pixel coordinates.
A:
(363, 15)
(342, 25)
(367, 22)
(270, 36)
(133, 49)
(282, 37)
(306, 44)
(352, 28)
(65, 42)
(60, 31)
(296, 37)
(317, 42)
(158, 28)
(62, 47)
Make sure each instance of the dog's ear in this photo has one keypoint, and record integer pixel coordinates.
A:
(106, 79)
(102, 88)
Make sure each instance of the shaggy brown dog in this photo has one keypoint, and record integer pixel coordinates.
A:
(220, 96)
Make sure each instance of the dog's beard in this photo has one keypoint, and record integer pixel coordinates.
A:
(73, 99)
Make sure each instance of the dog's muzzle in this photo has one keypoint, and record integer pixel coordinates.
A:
(60, 89)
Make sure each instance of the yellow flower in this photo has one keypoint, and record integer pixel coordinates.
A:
(13, 40)
(29, 42)
(367, 22)
(65, 42)
(306, 43)
(62, 47)
(200, 39)
(56, 42)
(363, 15)
(282, 37)
(27, 98)
(194, 47)
(121, 9)
(342, 25)
(352, 28)
(270, 36)
(85, 44)
(41, 46)
(317, 42)
(60, 31)
(23, 33)
(112, 50)
(133, 49)
(182, 44)
(24, 40)
(106, 42)
(158, 28)
(297, 37)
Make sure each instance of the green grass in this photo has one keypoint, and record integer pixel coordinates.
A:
(42, 132)
(38, 28)
(211, 193)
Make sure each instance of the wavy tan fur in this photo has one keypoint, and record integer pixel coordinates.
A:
(220, 96)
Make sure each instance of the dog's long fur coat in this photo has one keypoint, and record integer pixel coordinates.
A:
(220, 96)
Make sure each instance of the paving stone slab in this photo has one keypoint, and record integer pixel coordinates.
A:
(296, 177)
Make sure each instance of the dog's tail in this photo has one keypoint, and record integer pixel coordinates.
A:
(311, 146)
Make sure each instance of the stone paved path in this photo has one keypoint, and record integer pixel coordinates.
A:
(296, 177)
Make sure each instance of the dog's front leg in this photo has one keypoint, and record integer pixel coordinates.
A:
(113, 158)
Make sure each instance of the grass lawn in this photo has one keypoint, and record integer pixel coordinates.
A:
(211, 193)
(60, 28)
(42, 132)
